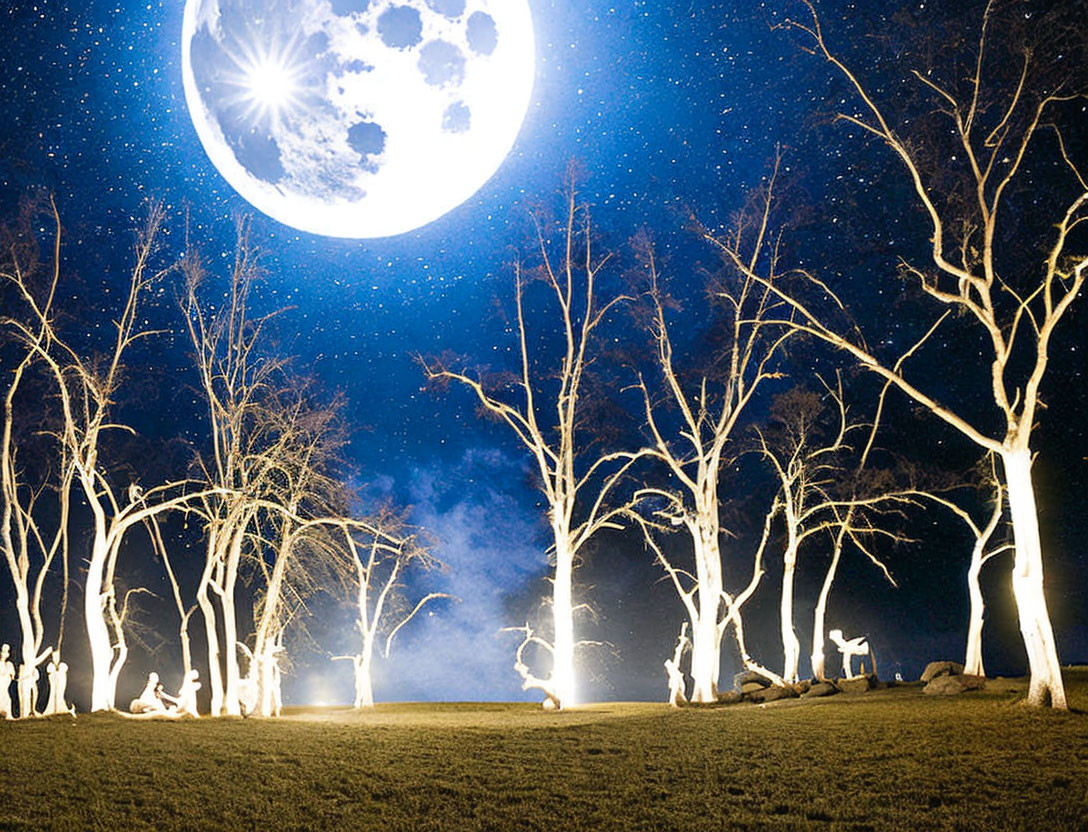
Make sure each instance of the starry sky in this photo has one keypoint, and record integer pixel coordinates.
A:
(670, 110)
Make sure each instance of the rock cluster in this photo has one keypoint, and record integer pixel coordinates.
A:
(947, 679)
(756, 688)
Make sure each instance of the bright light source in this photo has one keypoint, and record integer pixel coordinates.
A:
(270, 84)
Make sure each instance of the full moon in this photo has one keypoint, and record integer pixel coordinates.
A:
(357, 118)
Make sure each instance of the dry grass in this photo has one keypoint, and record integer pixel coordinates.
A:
(888, 760)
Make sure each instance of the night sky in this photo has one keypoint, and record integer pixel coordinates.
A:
(671, 111)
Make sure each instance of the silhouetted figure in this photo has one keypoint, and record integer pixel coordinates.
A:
(672, 667)
(7, 676)
(57, 673)
(185, 701)
(150, 700)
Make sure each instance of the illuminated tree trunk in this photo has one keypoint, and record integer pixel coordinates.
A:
(231, 691)
(364, 687)
(563, 674)
(94, 611)
(791, 647)
(211, 632)
(268, 675)
(1027, 583)
(119, 646)
(28, 652)
(363, 661)
(819, 615)
(706, 635)
(972, 663)
(268, 640)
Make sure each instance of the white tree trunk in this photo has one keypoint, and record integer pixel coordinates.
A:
(1027, 583)
(269, 633)
(211, 636)
(791, 647)
(27, 689)
(819, 617)
(705, 654)
(98, 634)
(364, 685)
(972, 663)
(706, 635)
(28, 649)
(232, 676)
(121, 649)
(562, 678)
(267, 683)
(186, 644)
(231, 689)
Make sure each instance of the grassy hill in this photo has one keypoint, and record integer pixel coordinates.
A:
(886, 760)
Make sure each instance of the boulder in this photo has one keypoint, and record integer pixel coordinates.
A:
(951, 685)
(772, 693)
(821, 689)
(856, 684)
(935, 669)
(751, 677)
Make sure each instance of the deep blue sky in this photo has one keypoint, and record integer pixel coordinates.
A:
(665, 106)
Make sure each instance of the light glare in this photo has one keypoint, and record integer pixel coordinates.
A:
(270, 84)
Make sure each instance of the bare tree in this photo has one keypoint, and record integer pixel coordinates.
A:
(380, 552)
(697, 449)
(803, 472)
(292, 540)
(998, 134)
(86, 385)
(544, 407)
(276, 506)
(235, 376)
(821, 499)
(29, 547)
(981, 554)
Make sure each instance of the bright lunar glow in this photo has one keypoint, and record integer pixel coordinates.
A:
(357, 118)
(271, 85)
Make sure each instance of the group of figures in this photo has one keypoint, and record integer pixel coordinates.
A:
(26, 682)
(152, 701)
(155, 701)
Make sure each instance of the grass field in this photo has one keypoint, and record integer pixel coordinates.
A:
(889, 759)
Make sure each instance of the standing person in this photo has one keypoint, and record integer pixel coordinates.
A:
(7, 676)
